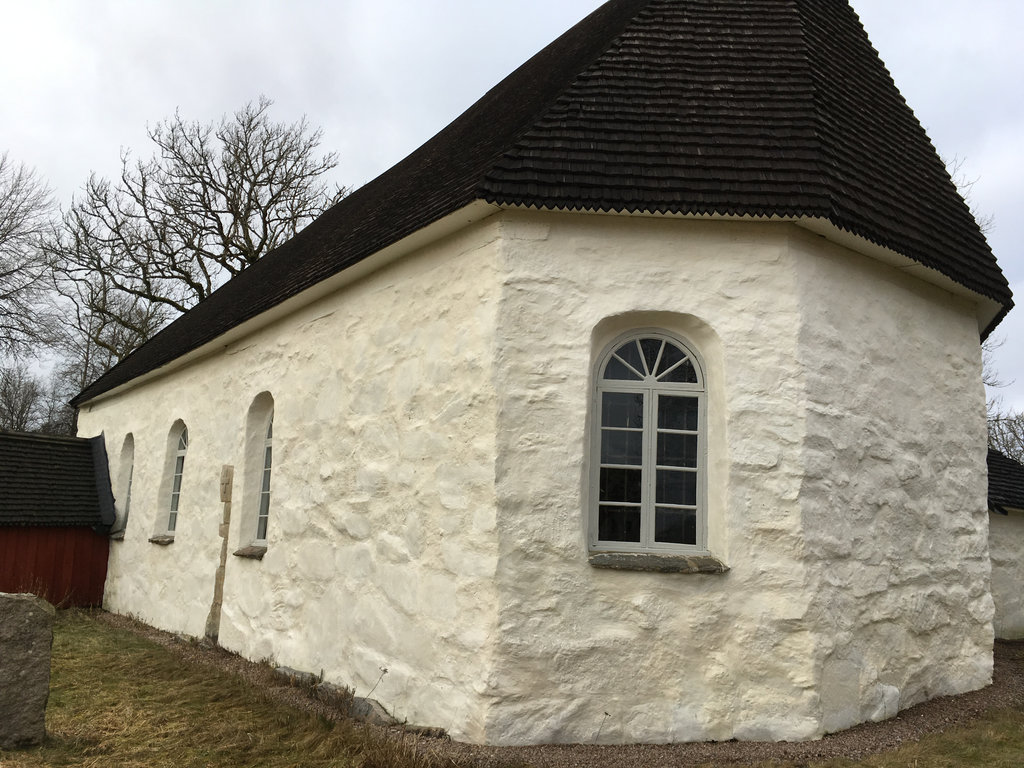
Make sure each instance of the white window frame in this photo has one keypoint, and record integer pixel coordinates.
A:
(263, 491)
(652, 390)
(177, 468)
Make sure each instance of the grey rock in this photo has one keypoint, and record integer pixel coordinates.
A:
(26, 639)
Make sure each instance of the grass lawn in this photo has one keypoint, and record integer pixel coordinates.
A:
(120, 700)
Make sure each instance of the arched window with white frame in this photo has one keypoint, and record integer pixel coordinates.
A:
(263, 512)
(176, 449)
(258, 450)
(648, 453)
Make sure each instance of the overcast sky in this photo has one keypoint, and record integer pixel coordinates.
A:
(80, 80)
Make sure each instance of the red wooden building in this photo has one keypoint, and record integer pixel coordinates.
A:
(56, 510)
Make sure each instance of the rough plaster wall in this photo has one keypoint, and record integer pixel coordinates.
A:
(381, 538)
(402, 535)
(787, 345)
(669, 657)
(1006, 542)
(893, 502)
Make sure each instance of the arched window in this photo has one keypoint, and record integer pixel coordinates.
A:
(258, 451)
(263, 514)
(176, 474)
(649, 443)
(123, 500)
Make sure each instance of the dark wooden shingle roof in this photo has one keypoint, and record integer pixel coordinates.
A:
(1005, 482)
(54, 481)
(734, 107)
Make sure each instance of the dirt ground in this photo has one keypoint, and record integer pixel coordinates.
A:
(1007, 690)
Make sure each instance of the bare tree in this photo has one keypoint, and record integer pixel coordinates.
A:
(29, 405)
(20, 398)
(129, 255)
(1005, 427)
(965, 186)
(212, 201)
(25, 204)
(1006, 433)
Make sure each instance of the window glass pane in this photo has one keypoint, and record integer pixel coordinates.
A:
(630, 353)
(183, 440)
(620, 484)
(128, 493)
(677, 413)
(622, 409)
(261, 526)
(675, 526)
(651, 349)
(677, 450)
(669, 357)
(676, 487)
(681, 374)
(172, 519)
(618, 523)
(270, 429)
(266, 481)
(616, 370)
(622, 447)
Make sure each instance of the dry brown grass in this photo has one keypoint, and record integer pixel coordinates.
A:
(120, 700)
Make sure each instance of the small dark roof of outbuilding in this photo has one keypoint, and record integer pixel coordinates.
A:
(54, 481)
(734, 107)
(1005, 482)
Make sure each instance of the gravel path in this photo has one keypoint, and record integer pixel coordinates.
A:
(1007, 690)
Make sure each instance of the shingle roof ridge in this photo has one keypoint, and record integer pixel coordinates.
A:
(39, 437)
(1005, 481)
(742, 129)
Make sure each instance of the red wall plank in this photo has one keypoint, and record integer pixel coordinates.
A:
(67, 566)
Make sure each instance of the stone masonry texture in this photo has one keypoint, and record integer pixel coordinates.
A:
(26, 637)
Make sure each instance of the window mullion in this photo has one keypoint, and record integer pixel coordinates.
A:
(650, 461)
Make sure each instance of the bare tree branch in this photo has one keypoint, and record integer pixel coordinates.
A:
(130, 255)
(25, 204)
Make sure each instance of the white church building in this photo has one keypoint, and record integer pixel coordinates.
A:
(650, 386)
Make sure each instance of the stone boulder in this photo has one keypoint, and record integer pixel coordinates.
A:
(26, 638)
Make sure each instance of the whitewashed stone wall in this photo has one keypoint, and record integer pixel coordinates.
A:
(381, 548)
(430, 483)
(1006, 543)
(850, 512)
(893, 500)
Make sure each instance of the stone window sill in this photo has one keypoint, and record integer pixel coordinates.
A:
(252, 552)
(657, 563)
(162, 540)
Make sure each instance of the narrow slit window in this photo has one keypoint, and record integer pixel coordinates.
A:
(263, 515)
(179, 468)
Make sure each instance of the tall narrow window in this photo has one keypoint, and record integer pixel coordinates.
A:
(254, 525)
(123, 496)
(648, 459)
(264, 510)
(128, 494)
(179, 466)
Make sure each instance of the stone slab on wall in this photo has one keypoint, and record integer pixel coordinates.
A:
(26, 637)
